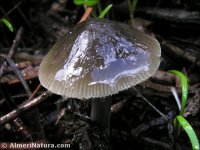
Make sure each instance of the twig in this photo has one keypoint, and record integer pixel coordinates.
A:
(22, 129)
(17, 123)
(180, 52)
(158, 143)
(18, 73)
(16, 42)
(145, 126)
(144, 98)
(11, 10)
(12, 50)
(35, 92)
(86, 14)
(164, 76)
(23, 107)
(193, 105)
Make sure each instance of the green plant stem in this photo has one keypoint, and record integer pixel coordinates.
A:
(130, 11)
(184, 85)
(132, 6)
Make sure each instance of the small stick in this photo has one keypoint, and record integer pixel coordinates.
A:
(11, 10)
(22, 129)
(150, 104)
(35, 92)
(12, 50)
(86, 14)
(23, 107)
(16, 42)
(156, 142)
(18, 73)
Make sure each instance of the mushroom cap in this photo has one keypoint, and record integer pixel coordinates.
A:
(98, 58)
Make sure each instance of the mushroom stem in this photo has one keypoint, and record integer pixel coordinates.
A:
(101, 112)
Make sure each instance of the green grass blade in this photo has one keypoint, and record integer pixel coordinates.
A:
(8, 24)
(78, 2)
(105, 11)
(86, 2)
(190, 132)
(134, 4)
(184, 85)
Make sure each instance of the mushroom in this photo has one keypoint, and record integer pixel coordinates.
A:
(98, 58)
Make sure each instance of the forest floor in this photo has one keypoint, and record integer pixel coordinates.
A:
(31, 115)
